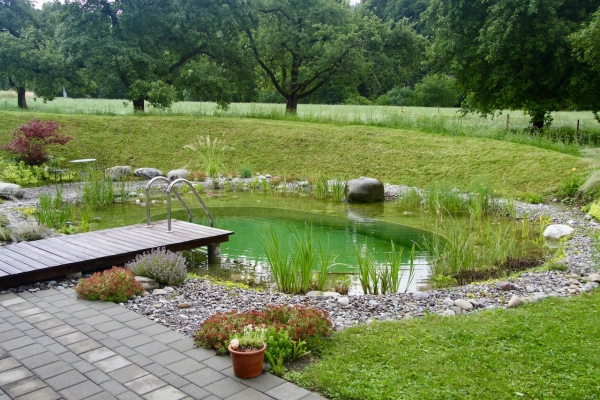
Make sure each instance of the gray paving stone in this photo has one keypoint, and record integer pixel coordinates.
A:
(97, 320)
(47, 293)
(63, 315)
(288, 391)
(49, 324)
(52, 310)
(168, 337)
(125, 351)
(139, 323)
(69, 292)
(55, 298)
(218, 363)
(41, 394)
(157, 369)
(24, 305)
(313, 396)
(66, 304)
(29, 312)
(183, 344)
(5, 326)
(27, 351)
(23, 386)
(81, 391)
(128, 396)
(112, 363)
(98, 354)
(140, 360)
(8, 363)
(167, 357)
(74, 307)
(83, 346)
(155, 329)
(13, 319)
(136, 341)
(57, 348)
(45, 340)
(165, 393)
(127, 316)
(128, 373)
(13, 375)
(50, 370)
(32, 319)
(65, 380)
(199, 354)
(73, 321)
(225, 387)
(42, 303)
(195, 391)
(17, 343)
(97, 376)
(85, 328)
(85, 313)
(12, 334)
(23, 326)
(113, 387)
(69, 357)
(9, 301)
(102, 396)
(5, 314)
(60, 330)
(122, 333)
(204, 377)
(35, 333)
(263, 383)
(152, 348)
(114, 311)
(185, 366)
(71, 338)
(110, 342)
(83, 366)
(249, 394)
(145, 384)
(97, 335)
(174, 380)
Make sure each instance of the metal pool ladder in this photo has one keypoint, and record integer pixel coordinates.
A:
(172, 188)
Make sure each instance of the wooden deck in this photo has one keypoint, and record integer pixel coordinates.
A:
(28, 262)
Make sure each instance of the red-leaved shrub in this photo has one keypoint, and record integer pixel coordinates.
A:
(116, 285)
(30, 141)
(302, 323)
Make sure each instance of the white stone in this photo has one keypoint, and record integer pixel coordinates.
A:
(463, 304)
(331, 294)
(448, 302)
(514, 302)
(594, 278)
(156, 292)
(373, 303)
(147, 283)
(448, 313)
(314, 293)
(420, 296)
(557, 231)
(531, 288)
(168, 289)
(177, 174)
(589, 286)
(8, 190)
(344, 301)
(474, 302)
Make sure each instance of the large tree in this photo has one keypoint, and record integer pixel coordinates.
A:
(515, 54)
(303, 44)
(144, 46)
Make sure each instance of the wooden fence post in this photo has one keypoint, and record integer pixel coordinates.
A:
(507, 120)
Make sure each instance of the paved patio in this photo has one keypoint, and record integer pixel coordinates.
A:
(55, 346)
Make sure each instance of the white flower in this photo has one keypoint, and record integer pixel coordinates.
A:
(234, 344)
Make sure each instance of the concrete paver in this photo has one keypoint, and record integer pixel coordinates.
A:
(53, 346)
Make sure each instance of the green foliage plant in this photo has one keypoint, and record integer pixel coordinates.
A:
(54, 212)
(115, 285)
(21, 173)
(249, 338)
(436, 91)
(98, 193)
(211, 152)
(245, 172)
(162, 265)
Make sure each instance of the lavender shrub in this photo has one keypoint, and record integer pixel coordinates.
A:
(164, 266)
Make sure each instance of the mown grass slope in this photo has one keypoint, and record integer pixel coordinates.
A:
(306, 149)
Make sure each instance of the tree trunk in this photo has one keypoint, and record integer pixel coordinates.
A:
(537, 121)
(138, 105)
(291, 104)
(21, 99)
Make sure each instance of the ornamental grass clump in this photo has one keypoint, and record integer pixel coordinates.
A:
(162, 265)
(115, 285)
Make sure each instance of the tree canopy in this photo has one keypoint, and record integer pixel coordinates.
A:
(515, 54)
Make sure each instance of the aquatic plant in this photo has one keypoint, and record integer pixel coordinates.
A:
(98, 193)
(386, 278)
(53, 212)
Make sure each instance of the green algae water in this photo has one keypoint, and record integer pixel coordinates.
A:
(342, 229)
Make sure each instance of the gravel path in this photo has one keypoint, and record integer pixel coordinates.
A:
(184, 307)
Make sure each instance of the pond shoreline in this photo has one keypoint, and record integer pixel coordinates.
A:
(206, 298)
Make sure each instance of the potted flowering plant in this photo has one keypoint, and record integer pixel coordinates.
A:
(247, 350)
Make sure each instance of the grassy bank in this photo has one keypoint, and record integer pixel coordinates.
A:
(542, 350)
(305, 149)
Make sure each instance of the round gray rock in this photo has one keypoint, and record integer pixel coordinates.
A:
(594, 278)
(147, 283)
(8, 190)
(514, 302)
(364, 190)
(147, 173)
(178, 174)
(118, 172)
(420, 296)
(463, 304)
(557, 231)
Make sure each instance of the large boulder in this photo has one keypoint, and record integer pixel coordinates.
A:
(557, 231)
(147, 173)
(9, 190)
(364, 190)
(177, 174)
(118, 172)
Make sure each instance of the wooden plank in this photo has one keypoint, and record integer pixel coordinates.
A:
(163, 238)
(2, 273)
(9, 269)
(13, 263)
(28, 247)
(116, 244)
(42, 259)
(74, 249)
(69, 253)
(83, 244)
(35, 264)
(129, 237)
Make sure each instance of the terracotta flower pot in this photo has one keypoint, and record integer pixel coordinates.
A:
(247, 364)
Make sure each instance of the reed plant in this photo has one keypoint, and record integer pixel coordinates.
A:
(337, 190)
(98, 193)
(367, 270)
(211, 153)
(54, 212)
(386, 278)
(320, 186)
(409, 200)
(326, 261)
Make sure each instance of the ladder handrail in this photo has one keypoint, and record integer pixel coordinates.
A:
(170, 188)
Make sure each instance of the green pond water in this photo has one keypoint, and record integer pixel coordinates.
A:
(341, 228)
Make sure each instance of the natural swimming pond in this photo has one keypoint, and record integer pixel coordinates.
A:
(341, 228)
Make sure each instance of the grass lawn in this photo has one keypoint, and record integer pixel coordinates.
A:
(544, 350)
(307, 149)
